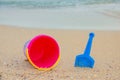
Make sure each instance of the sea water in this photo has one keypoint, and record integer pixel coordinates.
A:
(59, 14)
(51, 3)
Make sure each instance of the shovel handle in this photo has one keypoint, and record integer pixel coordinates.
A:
(89, 44)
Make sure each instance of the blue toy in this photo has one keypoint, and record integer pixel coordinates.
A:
(85, 60)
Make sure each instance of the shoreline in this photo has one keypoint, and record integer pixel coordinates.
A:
(102, 17)
(57, 29)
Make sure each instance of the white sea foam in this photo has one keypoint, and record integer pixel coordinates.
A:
(98, 17)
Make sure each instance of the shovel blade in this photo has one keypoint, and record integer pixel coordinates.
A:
(84, 61)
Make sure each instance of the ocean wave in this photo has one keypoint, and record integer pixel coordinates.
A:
(51, 3)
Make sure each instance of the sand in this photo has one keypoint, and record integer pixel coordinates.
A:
(105, 51)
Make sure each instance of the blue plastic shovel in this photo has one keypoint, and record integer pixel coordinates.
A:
(85, 60)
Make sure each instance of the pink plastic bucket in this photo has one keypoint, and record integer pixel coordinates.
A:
(42, 51)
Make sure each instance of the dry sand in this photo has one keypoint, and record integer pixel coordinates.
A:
(105, 51)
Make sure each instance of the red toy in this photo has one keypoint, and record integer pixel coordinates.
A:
(43, 52)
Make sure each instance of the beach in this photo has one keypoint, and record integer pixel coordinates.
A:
(105, 51)
(69, 23)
